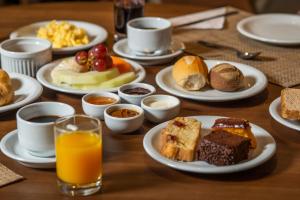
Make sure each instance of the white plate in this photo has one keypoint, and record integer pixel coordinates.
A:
(255, 82)
(281, 29)
(121, 48)
(43, 76)
(97, 34)
(266, 147)
(11, 148)
(274, 110)
(26, 89)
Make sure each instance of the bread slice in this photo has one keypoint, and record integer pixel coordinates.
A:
(290, 103)
(180, 138)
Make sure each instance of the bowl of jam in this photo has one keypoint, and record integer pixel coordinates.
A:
(94, 104)
(135, 92)
(123, 118)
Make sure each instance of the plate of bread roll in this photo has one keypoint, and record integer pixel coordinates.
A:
(209, 144)
(17, 90)
(192, 77)
(286, 108)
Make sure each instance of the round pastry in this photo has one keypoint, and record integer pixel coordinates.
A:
(190, 72)
(6, 90)
(226, 77)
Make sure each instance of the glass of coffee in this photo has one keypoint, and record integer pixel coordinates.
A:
(124, 11)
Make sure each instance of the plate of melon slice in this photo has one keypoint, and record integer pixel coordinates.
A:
(59, 75)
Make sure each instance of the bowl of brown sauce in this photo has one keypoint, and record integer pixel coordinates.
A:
(94, 104)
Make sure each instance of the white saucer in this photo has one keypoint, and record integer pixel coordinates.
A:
(121, 48)
(26, 89)
(44, 77)
(96, 33)
(255, 82)
(11, 148)
(274, 110)
(266, 147)
(280, 29)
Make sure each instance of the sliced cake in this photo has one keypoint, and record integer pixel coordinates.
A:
(290, 103)
(180, 138)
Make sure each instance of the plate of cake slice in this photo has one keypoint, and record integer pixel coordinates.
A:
(209, 144)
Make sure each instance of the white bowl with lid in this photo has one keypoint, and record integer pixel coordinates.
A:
(160, 108)
(25, 55)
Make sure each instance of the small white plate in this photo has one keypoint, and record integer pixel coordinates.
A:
(96, 33)
(266, 147)
(11, 148)
(121, 48)
(26, 89)
(44, 77)
(280, 29)
(274, 110)
(255, 82)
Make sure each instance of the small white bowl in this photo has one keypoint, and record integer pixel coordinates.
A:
(25, 55)
(165, 113)
(135, 99)
(97, 110)
(123, 125)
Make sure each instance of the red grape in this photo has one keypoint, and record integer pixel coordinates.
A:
(81, 57)
(98, 51)
(99, 65)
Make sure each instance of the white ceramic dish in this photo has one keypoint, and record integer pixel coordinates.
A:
(121, 48)
(96, 33)
(97, 110)
(135, 99)
(25, 55)
(26, 89)
(11, 148)
(280, 29)
(43, 76)
(266, 147)
(255, 82)
(123, 125)
(161, 114)
(274, 110)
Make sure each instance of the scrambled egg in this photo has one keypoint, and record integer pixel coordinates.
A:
(63, 34)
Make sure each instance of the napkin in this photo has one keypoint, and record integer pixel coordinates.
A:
(217, 23)
(7, 176)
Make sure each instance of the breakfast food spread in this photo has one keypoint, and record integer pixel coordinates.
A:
(124, 113)
(223, 148)
(100, 100)
(94, 69)
(180, 138)
(190, 72)
(137, 91)
(160, 104)
(6, 90)
(226, 77)
(235, 126)
(290, 104)
(63, 34)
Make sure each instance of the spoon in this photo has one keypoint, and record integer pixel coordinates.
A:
(241, 54)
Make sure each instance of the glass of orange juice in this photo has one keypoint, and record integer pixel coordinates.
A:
(78, 146)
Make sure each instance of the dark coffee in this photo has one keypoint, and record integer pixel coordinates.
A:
(124, 13)
(44, 119)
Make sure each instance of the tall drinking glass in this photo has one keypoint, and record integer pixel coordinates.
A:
(78, 145)
(124, 11)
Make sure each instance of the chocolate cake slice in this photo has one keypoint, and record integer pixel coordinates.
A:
(223, 148)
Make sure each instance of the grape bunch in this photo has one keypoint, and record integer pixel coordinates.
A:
(97, 58)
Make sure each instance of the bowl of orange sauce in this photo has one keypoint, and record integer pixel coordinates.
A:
(94, 104)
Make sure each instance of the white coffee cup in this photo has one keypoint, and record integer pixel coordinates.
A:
(38, 137)
(149, 34)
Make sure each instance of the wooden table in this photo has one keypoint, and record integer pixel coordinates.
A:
(129, 173)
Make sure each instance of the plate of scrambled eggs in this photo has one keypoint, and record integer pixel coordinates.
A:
(66, 36)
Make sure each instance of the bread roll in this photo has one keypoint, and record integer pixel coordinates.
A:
(226, 77)
(190, 72)
(6, 90)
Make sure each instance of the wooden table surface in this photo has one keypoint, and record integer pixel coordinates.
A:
(129, 173)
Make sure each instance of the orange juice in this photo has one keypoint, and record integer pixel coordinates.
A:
(79, 157)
